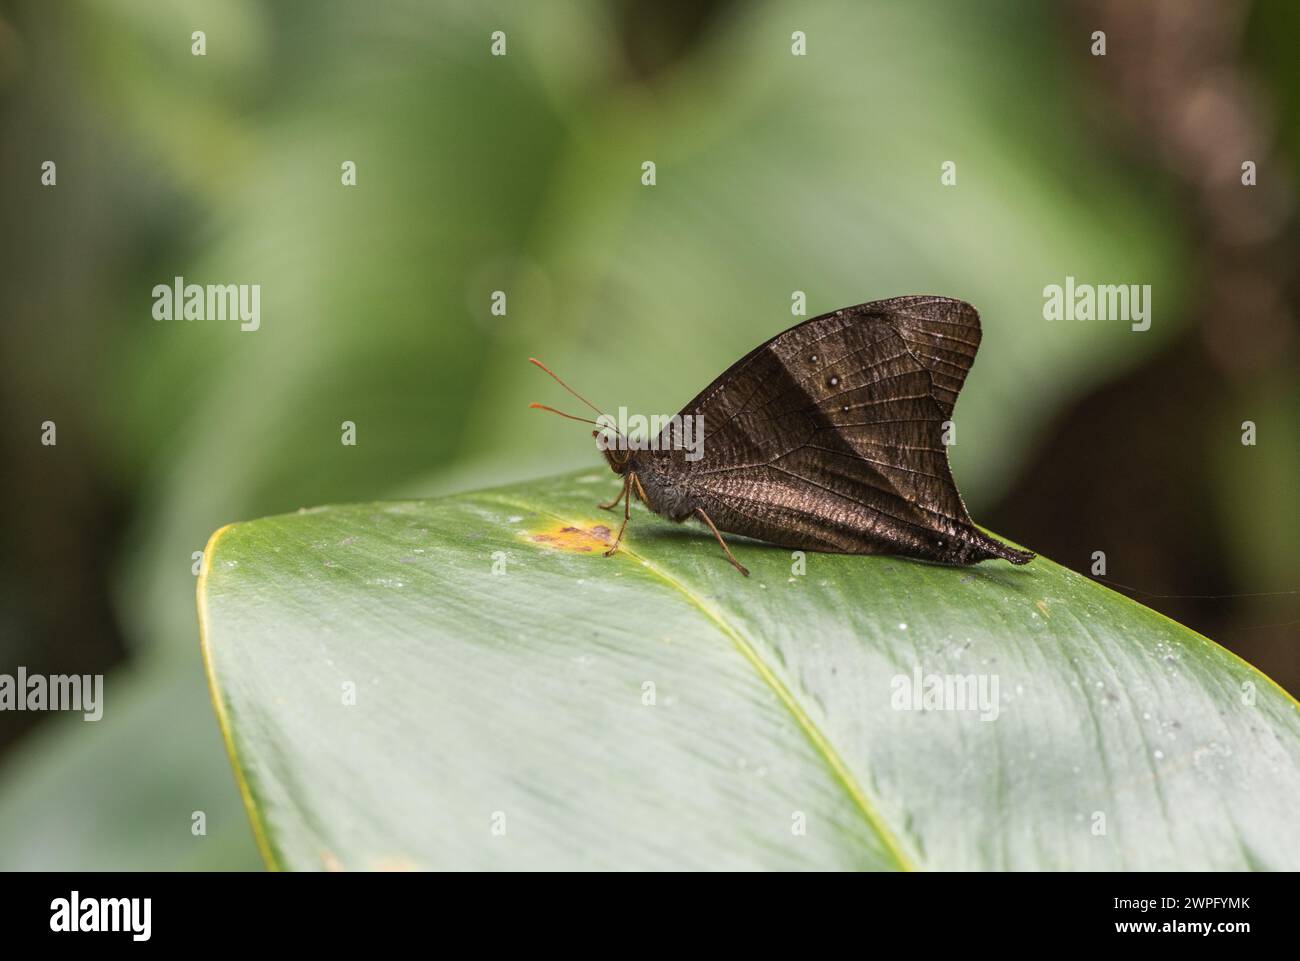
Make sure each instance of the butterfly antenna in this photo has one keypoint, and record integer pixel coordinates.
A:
(563, 414)
(534, 360)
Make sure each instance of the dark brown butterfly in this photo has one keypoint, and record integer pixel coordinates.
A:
(829, 437)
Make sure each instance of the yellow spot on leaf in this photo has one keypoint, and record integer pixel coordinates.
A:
(581, 540)
(1042, 606)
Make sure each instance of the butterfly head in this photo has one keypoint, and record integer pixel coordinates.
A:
(618, 458)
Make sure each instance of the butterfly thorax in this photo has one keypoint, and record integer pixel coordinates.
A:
(663, 484)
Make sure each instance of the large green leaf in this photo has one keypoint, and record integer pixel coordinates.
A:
(776, 173)
(517, 701)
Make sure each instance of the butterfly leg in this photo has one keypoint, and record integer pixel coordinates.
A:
(627, 513)
(735, 563)
(614, 503)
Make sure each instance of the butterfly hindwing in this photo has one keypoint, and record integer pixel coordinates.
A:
(829, 436)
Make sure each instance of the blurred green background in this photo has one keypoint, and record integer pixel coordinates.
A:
(522, 173)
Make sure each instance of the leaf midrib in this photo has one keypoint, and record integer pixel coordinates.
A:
(820, 742)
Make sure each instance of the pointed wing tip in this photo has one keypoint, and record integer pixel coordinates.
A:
(1009, 553)
(994, 548)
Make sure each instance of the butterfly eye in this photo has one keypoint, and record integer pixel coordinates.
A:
(834, 382)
